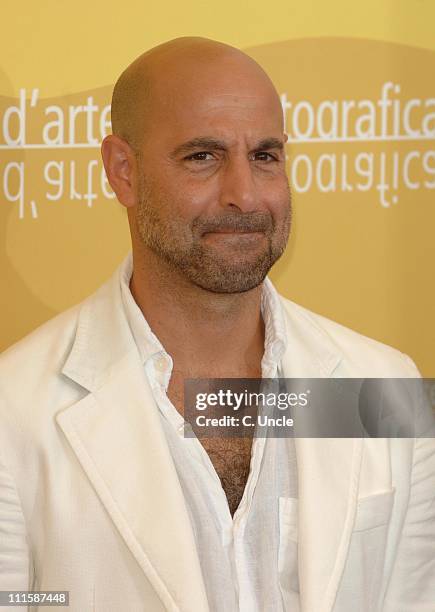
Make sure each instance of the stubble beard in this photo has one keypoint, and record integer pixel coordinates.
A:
(183, 249)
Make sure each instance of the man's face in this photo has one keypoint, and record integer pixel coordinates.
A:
(213, 198)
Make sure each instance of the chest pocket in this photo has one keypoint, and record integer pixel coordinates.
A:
(361, 583)
(288, 553)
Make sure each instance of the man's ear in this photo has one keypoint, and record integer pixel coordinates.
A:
(120, 164)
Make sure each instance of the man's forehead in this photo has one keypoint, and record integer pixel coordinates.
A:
(231, 120)
(216, 108)
(182, 137)
(218, 100)
(215, 103)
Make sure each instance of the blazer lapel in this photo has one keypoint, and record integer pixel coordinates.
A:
(116, 435)
(328, 473)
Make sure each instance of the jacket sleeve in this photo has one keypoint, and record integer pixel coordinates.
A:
(15, 574)
(412, 584)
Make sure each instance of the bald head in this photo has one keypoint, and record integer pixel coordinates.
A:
(188, 65)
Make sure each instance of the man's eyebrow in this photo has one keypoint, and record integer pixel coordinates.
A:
(205, 142)
(269, 143)
(213, 144)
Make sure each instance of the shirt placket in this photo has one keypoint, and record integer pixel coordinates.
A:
(161, 366)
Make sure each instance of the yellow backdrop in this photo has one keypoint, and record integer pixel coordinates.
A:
(358, 90)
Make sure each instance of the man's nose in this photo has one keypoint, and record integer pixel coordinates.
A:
(238, 187)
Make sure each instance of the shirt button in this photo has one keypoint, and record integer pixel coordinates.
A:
(161, 364)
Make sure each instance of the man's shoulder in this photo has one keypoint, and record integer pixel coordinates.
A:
(362, 355)
(47, 344)
(50, 343)
(80, 339)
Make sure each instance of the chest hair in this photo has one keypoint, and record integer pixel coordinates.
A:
(231, 457)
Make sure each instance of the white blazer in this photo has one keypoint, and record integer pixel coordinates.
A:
(89, 496)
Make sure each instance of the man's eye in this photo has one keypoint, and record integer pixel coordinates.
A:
(264, 156)
(200, 156)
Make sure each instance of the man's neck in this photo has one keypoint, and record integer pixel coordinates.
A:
(207, 334)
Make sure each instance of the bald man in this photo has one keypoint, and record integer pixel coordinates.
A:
(101, 494)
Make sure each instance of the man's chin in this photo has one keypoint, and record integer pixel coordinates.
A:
(234, 273)
(231, 280)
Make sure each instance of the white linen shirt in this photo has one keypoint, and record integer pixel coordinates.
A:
(249, 561)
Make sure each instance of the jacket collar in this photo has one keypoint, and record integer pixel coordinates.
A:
(103, 337)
